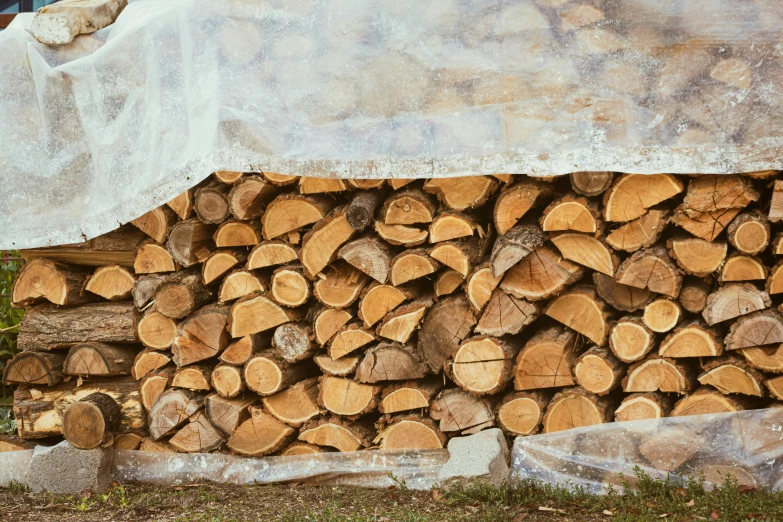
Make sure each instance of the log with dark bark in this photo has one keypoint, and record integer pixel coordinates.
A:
(361, 210)
(91, 420)
(513, 246)
(211, 203)
(181, 293)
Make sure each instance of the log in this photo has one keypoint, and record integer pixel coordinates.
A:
(293, 342)
(153, 258)
(591, 183)
(295, 405)
(196, 378)
(155, 330)
(370, 255)
(401, 235)
(378, 299)
(211, 203)
(190, 241)
(117, 247)
(448, 226)
(598, 371)
(151, 446)
(266, 373)
(340, 285)
(575, 408)
(696, 256)
(256, 313)
(34, 368)
(227, 414)
(361, 210)
(99, 360)
(271, 253)
(738, 268)
(447, 282)
(148, 361)
(766, 359)
(172, 409)
(513, 202)
(237, 234)
(705, 225)
(238, 284)
(411, 264)
(775, 387)
(776, 205)
(238, 352)
(661, 315)
(482, 365)
(659, 374)
(546, 359)
(182, 205)
(47, 280)
(400, 324)
(409, 395)
(631, 195)
(342, 367)
(366, 184)
(249, 196)
(582, 310)
(446, 325)
(327, 322)
(540, 275)
(480, 285)
(460, 256)
(506, 315)
(349, 339)
(694, 293)
(571, 212)
(520, 413)
(127, 442)
(408, 432)
(775, 281)
(621, 297)
(144, 290)
(462, 412)
(734, 300)
(586, 251)
(218, 263)
(259, 435)
(462, 193)
(708, 193)
(113, 283)
(321, 185)
(346, 397)
(730, 375)
(201, 336)
(289, 287)
(182, 293)
(152, 387)
(651, 269)
(704, 401)
(390, 362)
(630, 340)
(514, 246)
(640, 233)
(749, 233)
(157, 223)
(337, 433)
(227, 381)
(90, 421)
(762, 328)
(228, 177)
(280, 179)
(694, 339)
(641, 406)
(197, 436)
(47, 327)
(408, 207)
(669, 448)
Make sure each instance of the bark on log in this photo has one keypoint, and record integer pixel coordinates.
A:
(91, 420)
(446, 325)
(99, 360)
(47, 280)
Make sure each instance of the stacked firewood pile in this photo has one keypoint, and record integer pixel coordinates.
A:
(262, 313)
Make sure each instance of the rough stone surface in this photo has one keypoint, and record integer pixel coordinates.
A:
(483, 456)
(65, 469)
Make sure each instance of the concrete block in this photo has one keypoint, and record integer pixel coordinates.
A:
(483, 456)
(63, 469)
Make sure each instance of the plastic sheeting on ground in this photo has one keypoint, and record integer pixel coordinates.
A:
(747, 445)
(97, 132)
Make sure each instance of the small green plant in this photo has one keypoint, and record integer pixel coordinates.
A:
(398, 483)
(10, 264)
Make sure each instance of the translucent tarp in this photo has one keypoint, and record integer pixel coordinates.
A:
(747, 445)
(99, 131)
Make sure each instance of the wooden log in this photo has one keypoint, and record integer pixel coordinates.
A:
(34, 368)
(238, 352)
(211, 203)
(349, 339)
(762, 328)
(148, 361)
(446, 325)
(709, 193)
(271, 253)
(731, 375)
(513, 202)
(201, 336)
(460, 256)
(379, 299)
(155, 330)
(342, 367)
(506, 315)
(540, 275)
(408, 207)
(190, 241)
(327, 322)
(546, 359)
(775, 387)
(150, 446)
(390, 362)
(661, 315)
(696, 256)
(482, 365)
(462, 193)
(462, 412)
(575, 408)
(738, 268)
(144, 290)
(182, 205)
(294, 342)
(631, 195)
(776, 204)
(47, 327)
(659, 374)
(172, 409)
(694, 293)
(692, 339)
(227, 381)
(289, 287)
(117, 247)
(309, 185)
(127, 441)
(238, 284)
(591, 183)
(47, 280)
(571, 212)
(448, 226)
(408, 432)
(480, 285)
(113, 283)
(218, 263)
(651, 269)
(256, 313)
(400, 324)
(361, 210)
(520, 413)
(237, 234)
(409, 395)
(321, 244)
(621, 297)
(261, 434)
(401, 235)
(340, 285)
(514, 246)
(152, 387)
(447, 282)
(777, 244)
(582, 310)
(182, 293)
(196, 378)
(153, 258)
(227, 414)
(586, 251)
(766, 359)
(157, 223)
(411, 264)
(734, 300)
(266, 373)
(90, 421)
(346, 397)
(197, 436)
(280, 179)
(640, 233)
(228, 177)
(598, 371)
(749, 233)
(630, 340)
(337, 433)
(641, 406)
(705, 225)
(366, 184)
(667, 449)
(775, 281)
(249, 196)
(99, 360)
(295, 405)
(706, 400)
(370, 255)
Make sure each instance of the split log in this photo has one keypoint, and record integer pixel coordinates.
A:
(261, 434)
(694, 293)
(46, 280)
(289, 287)
(691, 340)
(127, 442)
(448, 226)
(117, 247)
(460, 256)
(218, 263)
(197, 436)
(704, 401)
(571, 213)
(514, 246)
(598, 371)
(408, 432)
(586, 251)
(309, 185)
(327, 322)
(749, 233)
(48, 327)
(390, 362)
(776, 205)
(227, 381)
(190, 241)
(632, 194)
(630, 340)
(238, 352)
(249, 196)
(482, 365)
(777, 245)
(361, 210)
(409, 395)
(575, 408)
(227, 414)
(201, 336)
(462, 412)
(740, 268)
(775, 387)
(506, 315)
(640, 233)
(446, 325)
(280, 179)
(462, 193)
(370, 255)
(295, 405)
(408, 207)
(152, 387)
(153, 258)
(346, 397)
(762, 328)
(337, 433)
(195, 378)
(641, 406)
(411, 264)
(540, 275)
(582, 310)
(211, 203)
(546, 359)
(182, 205)
(730, 375)
(667, 449)
(172, 409)
(734, 300)
(775, 281)
(99, 360)
(266, 373)
(398, 183)
(237, 234)
(144, 290)
(708, 193)
(447, 282)
(696, 256)
(90, 421)
(705, 225)
(238, 284)
(514, 202)
(349, 339)
(651, 269)
(659, 374)
(148, 361)
(401, 235)
(621, 297)
(591, 183)
(182, 293)
(766, 359)
(342, 367)
(157, 223)
(271, 253)
(480, 285)
(377, 300)
(400, 324)
(520, 413)
(113, 283)
(151, 446)
(340, 285)
(255, 313)
(44, 368)
(661, 315)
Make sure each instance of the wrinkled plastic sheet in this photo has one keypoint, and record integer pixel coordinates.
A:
(13, 466)
(97, 132)
(747, 445)
(370, 469)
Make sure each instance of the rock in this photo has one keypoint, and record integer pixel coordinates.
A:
(65, 469)
(60, 23)
(483, 456)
